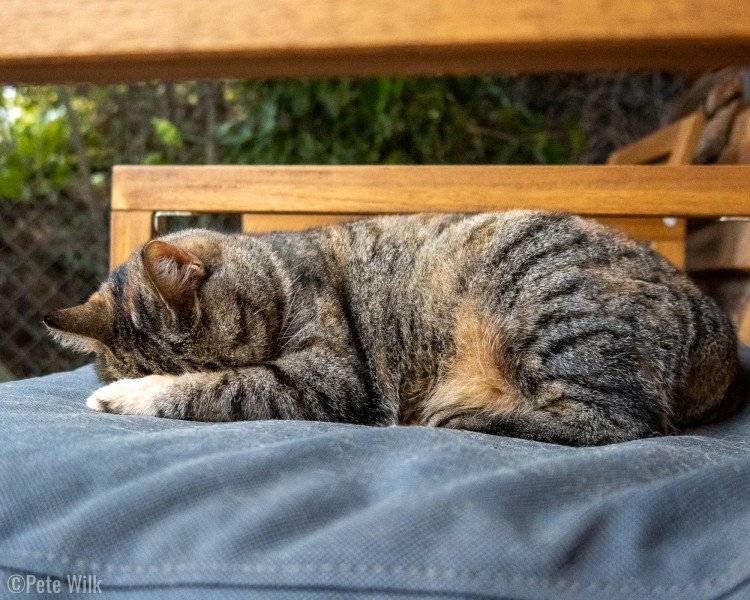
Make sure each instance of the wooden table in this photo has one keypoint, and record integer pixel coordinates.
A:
(123, 40)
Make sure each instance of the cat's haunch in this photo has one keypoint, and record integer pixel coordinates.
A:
(532, 324)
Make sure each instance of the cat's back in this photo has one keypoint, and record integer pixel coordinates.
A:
(568, 298)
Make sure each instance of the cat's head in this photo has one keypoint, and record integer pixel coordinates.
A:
(179, 305)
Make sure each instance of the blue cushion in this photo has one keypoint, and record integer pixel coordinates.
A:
(156, 508)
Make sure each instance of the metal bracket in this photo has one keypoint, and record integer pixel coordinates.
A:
(158, 214)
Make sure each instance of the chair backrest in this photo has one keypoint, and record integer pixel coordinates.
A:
(671, 145)
(292, 197)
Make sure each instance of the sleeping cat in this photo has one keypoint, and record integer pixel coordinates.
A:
(531, 324)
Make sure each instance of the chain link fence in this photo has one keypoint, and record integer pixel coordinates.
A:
(52, 254)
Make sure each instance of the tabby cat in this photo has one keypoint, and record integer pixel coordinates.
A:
(531, 324)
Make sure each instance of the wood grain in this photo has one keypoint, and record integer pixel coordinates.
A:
(719, 246)
(674, 251)
(128, 230)
(744, 329)
(264, 222)
(118, 40)
(592, 190)
(646, 228)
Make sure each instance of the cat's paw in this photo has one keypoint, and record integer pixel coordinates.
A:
(132, 396)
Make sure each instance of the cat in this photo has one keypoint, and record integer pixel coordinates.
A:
(532, 324)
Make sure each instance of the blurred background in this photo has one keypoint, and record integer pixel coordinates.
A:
(58, 144)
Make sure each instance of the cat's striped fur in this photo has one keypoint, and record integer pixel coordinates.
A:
(531, 324)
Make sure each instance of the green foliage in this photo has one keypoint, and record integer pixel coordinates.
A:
(170, 138)
(391, 121)
(167, 133)
(34, 156)
(467, 120)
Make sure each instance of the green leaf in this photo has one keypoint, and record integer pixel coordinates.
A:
(154, 158)
(267, 119)
(375, 95)
(167, 132)
(11, 184)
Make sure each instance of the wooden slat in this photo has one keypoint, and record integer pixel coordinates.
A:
(117, 40)
(719, 246)
(129, 229)
(674, 251)
(646, 228)
(687, 138)
(592, 190)
(668, 239)
(674, 144)
(263, 222)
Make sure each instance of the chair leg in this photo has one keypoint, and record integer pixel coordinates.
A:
(673, 250)
(128, 230)
(743, 331)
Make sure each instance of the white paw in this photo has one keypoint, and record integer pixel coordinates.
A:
(131, 396)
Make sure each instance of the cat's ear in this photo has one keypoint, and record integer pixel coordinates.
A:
(85, 328)
(176, 274)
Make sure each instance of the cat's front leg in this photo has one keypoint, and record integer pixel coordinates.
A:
(313, 384)
(190, 396)
(142, 396)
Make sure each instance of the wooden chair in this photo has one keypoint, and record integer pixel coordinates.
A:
(725, 245)
(671, 145)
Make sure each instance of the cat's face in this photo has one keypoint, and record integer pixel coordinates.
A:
(168, 310)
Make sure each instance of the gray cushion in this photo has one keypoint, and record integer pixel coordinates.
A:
(161, 508)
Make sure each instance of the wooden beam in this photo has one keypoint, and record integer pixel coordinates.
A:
(263, 222)
(640, 228)
(665, 235)
(720, 246)
(128, 230)
(688, 191)
(120, 40)
(674, 144)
